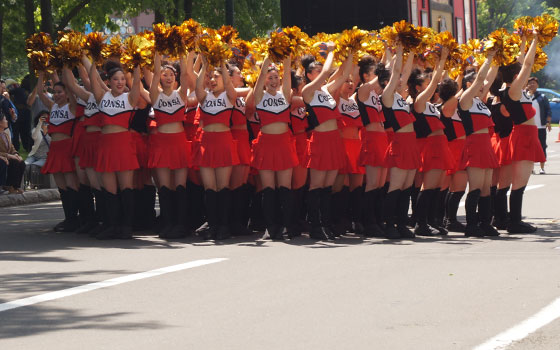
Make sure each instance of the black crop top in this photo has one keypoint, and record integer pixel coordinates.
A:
(519, 111)
(139, 120)
(502, 124)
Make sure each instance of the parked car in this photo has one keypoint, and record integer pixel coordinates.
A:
(554, 100)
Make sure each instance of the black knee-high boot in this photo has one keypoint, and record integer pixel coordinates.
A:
(127, 202)
(224, 211)
(390, 213)
(402, 213)
(257, 221)
(112, 214)
(371, 226)
(286, 198)
(516, 225)
(314, 215)
(500, 220)
(99, 205)
(166, 211)
(452, 207)
(485, 216)
(344, 220)
(493, 191)
(269, 203)
(337, 211)
(296, 227)
(196, 204)
(239, 211)
(471, 203)
(180, 227)
(148, 195)
(86, 209)
(414, 192)
(356, 205)
(211, 204)
(325, 208)
(72, 222)
(379, 206)
(437, 211)
(423, 205)
(60, 226)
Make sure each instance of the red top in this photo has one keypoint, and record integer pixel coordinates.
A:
(80, 107)
(299, 120)
(169, 109)
(61, 120)
(273, 109)
(115, 110)
(349, 113)
(238, 115)
(398, 116)
(91, 113)
(478, 117)
(216, 109)
(370, 109)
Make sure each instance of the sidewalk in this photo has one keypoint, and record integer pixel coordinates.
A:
(29, 197)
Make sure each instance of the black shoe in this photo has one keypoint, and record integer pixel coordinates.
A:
(209, 234)
(319, 234)
(337, 230)
(405, 232)
(489, 230)
(238, 229)
(373, 230)
(223, 233)
(455, 226)
(293, 232)
(425, 230)
(391, 232)
(87, 227)
(60, 226)
(500, 224)
(520, 227)
(474, 231)
(125, 232)
(439, 228)
(357, 228)
(108, 233)
(97, 230)
(71, 225)
(178, 231)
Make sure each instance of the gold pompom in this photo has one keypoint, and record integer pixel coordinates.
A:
(160, 37)
(213, 48)
(372, 46)
(240, 49)
(279, 45)
(524, 26)
(541, 58)
(94, 44)
(138, 51)
(505, 44)
(174, 47)
(228, 34)
(406, 34)
(298, 42)
(39, 47)
(114, 48)
(191, 31)
(546, 27)
(315, 42)
(68, 50)
(349, 40)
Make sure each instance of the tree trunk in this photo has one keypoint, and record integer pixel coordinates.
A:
(29, 24)
(47, 18)
(187, 6)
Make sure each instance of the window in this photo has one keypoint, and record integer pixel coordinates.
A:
(414, 11)
(459, 31)
(425, 19)
(468, 30)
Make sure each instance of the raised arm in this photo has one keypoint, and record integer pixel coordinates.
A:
(521, 80)
(191, 75)
(134, 93)
(72, 86)
(388, 94)
(228, 84)
(83, 73)
(336, 84)
(492, 74)
(154, 87)
(466, 99)
(407, 69)
(44, 98)
(309, 89)
(95, 80)
(258, 91)
(426, 95)
(200, 91)
(32, 96)
(287, 79)
(183, 78)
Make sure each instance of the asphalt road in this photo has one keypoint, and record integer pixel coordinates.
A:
(442, 293)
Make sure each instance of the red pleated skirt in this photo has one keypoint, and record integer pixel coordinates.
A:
(353, 148)
(436, 154)
(478, 153)
(216, 149)
(274, 152)
(243, 145)
(88, 154)
(190, 131)
(374, 146)
(325, 151)
(421, 143)
(456, 147)
(59, 158)
(77, 135)
(171, 151)
(301, 147)
(502, 150)
(116, 152)
(402, 152)
(141, 143)
(525, 145)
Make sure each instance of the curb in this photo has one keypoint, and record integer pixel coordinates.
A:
(29, 197)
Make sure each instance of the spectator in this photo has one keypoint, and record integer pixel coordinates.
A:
(21, 129)
(16, 165)
(35, 103)
(3, 172)
(6, 106)
(543, 116)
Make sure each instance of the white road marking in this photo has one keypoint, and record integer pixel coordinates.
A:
(104, 284)
(528, 188)
(520, 331)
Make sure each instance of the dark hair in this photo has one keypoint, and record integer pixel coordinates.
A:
(509, 72)
(470, 70)
(59, 83)
(496, 85)
(383, 75)
(111, 68)
(416, 78)
(168, 66)
(535, 79)
(38, 116)
(2, 115)
(309, 63)
(447, 89)
(296, 79)
(468, 78)
(366, 64)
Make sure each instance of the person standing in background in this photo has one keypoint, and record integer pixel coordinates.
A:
(7, 107)
(543, 116)
(22, 127)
